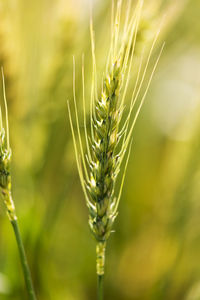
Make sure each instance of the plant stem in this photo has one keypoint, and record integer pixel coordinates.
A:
(100, 281)
(100, 252)
(24, 263)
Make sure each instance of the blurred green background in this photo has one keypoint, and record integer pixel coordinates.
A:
(154, 252)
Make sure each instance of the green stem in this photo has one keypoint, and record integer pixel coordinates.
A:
(100, 281)
(24, 263)
(100, 252)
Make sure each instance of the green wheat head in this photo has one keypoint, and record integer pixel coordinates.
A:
(109, 141)
(5, 161)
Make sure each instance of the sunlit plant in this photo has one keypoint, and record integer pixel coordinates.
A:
(109, 142)
(5, 186)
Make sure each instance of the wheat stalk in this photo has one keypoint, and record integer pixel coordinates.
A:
(5, 186)
(110, 139)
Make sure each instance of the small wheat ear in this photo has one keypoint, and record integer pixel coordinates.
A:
(5, 187)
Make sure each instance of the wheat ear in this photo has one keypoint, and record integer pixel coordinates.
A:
(5, 186)
(109, 140)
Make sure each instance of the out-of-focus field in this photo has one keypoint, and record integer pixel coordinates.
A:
(154, 252)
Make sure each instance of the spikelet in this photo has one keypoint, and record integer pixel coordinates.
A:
(109, 140)
(5, 161)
